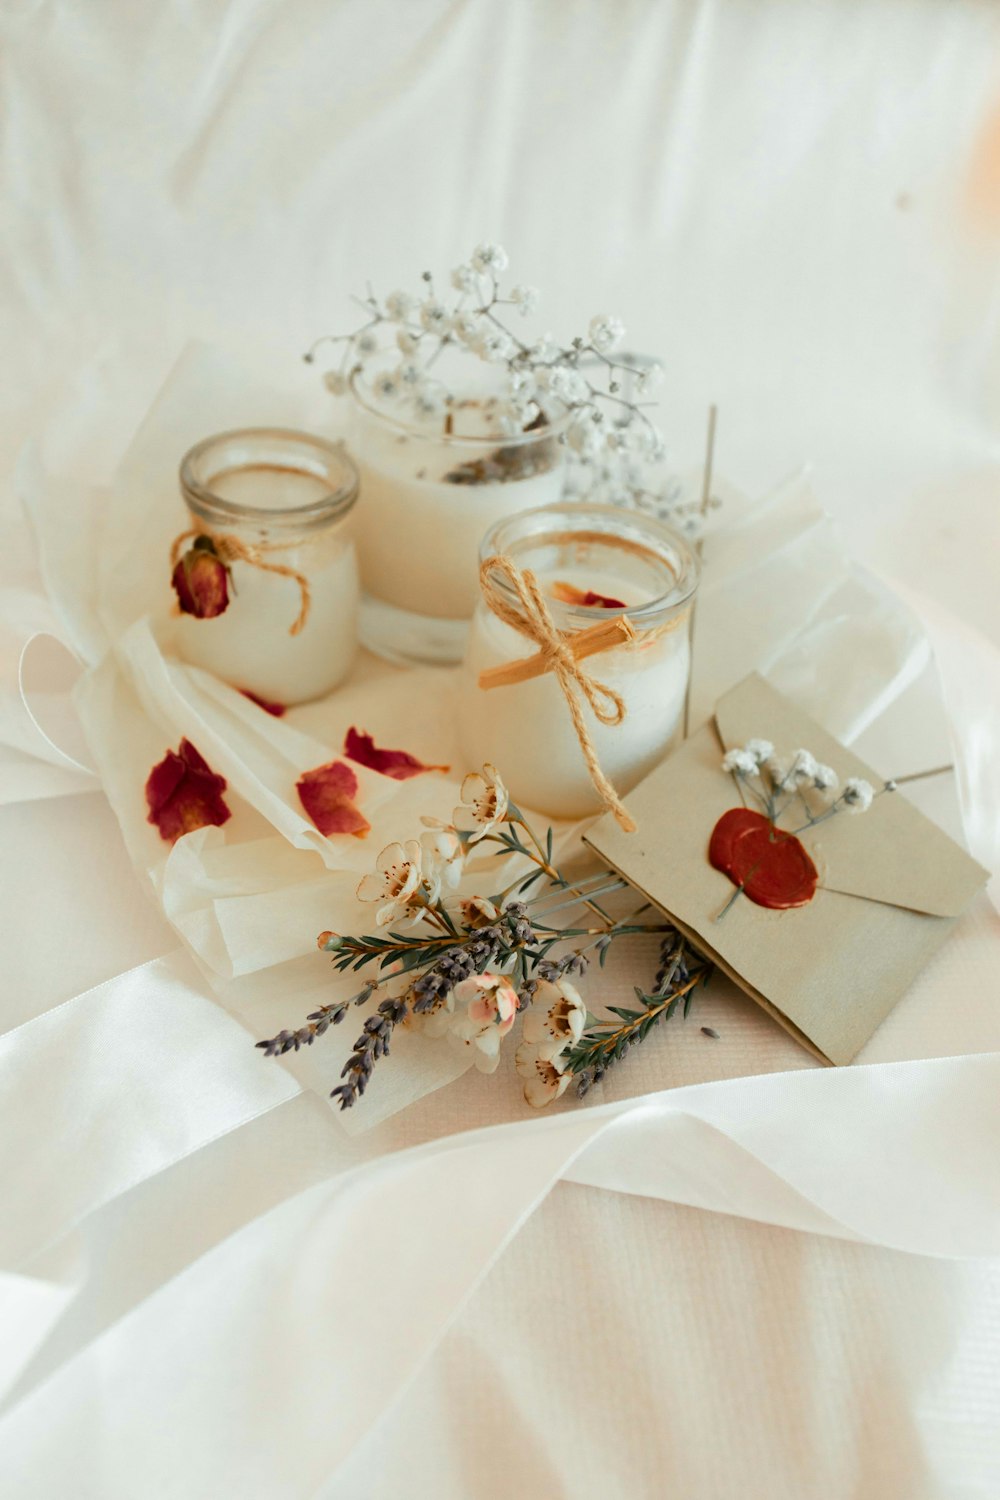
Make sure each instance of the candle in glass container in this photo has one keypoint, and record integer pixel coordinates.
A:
(428, 493)
(274, 507)
(593, 563)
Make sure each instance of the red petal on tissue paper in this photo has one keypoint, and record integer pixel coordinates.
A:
(277, 710)
(201, 581)
(568, 593)
(183, 793)
(399, 764)
(327, 794)
(771, 866)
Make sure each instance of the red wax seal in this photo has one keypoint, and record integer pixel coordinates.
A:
(771, 866)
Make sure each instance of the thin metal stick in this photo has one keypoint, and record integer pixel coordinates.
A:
(919, 775)
(706, 496)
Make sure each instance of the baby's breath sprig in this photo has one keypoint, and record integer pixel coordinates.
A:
(598, 396)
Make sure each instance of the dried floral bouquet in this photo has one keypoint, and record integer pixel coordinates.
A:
(464, 967)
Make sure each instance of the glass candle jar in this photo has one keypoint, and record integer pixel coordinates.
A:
(593, 563)
(274, 506)
(428, 494)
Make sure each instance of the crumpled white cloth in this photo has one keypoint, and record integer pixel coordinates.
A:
(794, 206)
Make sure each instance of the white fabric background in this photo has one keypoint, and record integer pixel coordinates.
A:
(797, 207)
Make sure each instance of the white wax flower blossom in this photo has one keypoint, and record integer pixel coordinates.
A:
(435, 317)
(740, 762)
(484, 803)
(463, 278)
(490, 259)
(761, 750)
(365, 342)
(396, 883)
(496, 346)
(335, 382)
(442, 860)
(606, 332)
(407, 342)
(557, 1017)
(858, 794)
(525, 299)
(399, 306)
(825, 778)
(545, 1077)
(491, 1002)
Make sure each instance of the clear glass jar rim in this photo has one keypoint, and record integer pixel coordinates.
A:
(552, 429)
(666, 546)
(334, 459)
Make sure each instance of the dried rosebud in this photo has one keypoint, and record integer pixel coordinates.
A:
(327, 793)
(399, 764)
(201, 580)
(183, 793)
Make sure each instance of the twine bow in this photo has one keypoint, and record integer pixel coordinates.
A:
(230, 549)
(561, 655)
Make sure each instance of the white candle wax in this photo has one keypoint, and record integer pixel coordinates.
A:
(250, 644)
(525, 729)
(419, 532)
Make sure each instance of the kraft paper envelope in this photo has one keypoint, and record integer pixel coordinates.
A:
(891, 882)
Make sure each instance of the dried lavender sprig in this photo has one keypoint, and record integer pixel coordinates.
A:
(372, 1044)
(513, 931)
(319, 1022)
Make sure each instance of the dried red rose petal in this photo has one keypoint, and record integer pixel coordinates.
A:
(770, 866)
(183, 793)
(201, 581)
(568, 593)
(277, 710)
(327, 793)
(399, 764)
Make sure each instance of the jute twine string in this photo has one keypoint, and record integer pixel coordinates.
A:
(561, 655)
(231, 549)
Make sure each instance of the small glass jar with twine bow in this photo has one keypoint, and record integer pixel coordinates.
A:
(577, 668)
(265, 575)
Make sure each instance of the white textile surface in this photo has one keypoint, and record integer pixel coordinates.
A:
(761, 1278)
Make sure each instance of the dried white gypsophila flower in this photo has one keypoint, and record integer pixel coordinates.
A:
(463, 278)
(490, 259)
(761, 750)
(435, 317)
(858, 794)
(825, 778)
(385, 386)
(606, 332)
(525, 299)
(335, 382)
(740, 762)
(399, 306)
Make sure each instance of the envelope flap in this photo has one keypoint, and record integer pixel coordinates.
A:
(892, 853)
